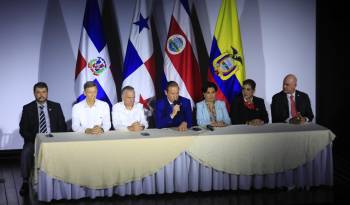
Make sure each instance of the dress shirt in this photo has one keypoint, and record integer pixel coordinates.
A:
(290, 108)
(84, 116)
(123, 117)
(47, 118)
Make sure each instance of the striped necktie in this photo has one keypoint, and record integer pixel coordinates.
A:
(42, 121)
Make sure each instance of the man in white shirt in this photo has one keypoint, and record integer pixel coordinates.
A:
(128, 115)
(91, 115)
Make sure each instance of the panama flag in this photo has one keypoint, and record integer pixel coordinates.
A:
(226, 67)
(139, 65)
(180, 59)
(93, 62)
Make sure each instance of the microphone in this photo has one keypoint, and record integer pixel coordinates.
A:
(177, 102)
(210, 127)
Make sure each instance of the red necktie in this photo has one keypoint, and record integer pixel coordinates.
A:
(293, 109)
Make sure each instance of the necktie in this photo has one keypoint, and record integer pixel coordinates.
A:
(42, 121)
(293, 109)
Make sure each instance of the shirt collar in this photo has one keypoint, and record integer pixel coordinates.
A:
(169, 101)
(39, 105)
(246, 100)
(207, 102)
(127, 108)
(86, 105)
(291, 94)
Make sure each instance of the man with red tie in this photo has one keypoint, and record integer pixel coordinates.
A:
(291, 105)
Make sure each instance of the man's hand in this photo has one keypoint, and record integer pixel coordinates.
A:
(182, 127)
(176, 109)
(136, 126)
(96, 130)
(256, 122)
(218, 124)
(299, 119)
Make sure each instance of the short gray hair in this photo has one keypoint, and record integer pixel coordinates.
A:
(127, 88)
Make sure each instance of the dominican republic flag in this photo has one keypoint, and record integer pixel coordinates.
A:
(93, 62)
(227, 68)
(181, 59)
(139, 65)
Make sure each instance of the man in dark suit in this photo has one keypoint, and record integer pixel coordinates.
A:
(291, 105)
(39, 116)
(173, 110)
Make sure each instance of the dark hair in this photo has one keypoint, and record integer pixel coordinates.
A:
(209, 85)
(127, 88)
(250, 82)
(171, 84)
(89, 84)
(40, 85)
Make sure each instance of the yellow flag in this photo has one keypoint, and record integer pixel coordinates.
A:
(227, 68)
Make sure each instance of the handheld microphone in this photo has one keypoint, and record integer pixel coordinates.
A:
(177, 102)
(210, 127)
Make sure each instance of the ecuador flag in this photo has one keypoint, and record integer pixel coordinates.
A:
(226, 67)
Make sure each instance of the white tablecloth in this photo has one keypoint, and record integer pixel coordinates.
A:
(235, 152)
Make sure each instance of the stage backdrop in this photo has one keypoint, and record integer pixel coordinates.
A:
(39, 42)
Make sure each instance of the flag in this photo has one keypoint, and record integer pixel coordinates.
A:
(93, 63)
(139, 65)
(181, 59)
(226, 67)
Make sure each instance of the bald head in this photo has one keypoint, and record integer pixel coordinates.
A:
(289, 84)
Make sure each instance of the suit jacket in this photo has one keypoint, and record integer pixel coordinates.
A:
(240, 114)
(280, 108)
(163, 110)
(203, 116)
(29, 124)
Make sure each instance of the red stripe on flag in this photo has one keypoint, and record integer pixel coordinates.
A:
(151, 67)
(186, 63)
(219, 94)
(143, 102)
(81, 64)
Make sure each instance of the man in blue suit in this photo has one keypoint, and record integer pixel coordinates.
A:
(173, 110)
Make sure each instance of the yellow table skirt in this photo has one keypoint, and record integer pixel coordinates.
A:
(121, 157)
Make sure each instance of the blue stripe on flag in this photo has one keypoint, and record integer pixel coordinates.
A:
(186, 6)
(163, 83)
(81, 98)
(101, 94)
(231, 87)
(93, 24)
(132, 60)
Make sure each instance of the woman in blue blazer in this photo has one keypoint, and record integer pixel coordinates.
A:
(211, 111)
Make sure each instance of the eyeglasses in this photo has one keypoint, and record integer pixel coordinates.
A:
(247, 89)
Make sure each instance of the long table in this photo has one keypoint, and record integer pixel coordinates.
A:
(76, 165)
